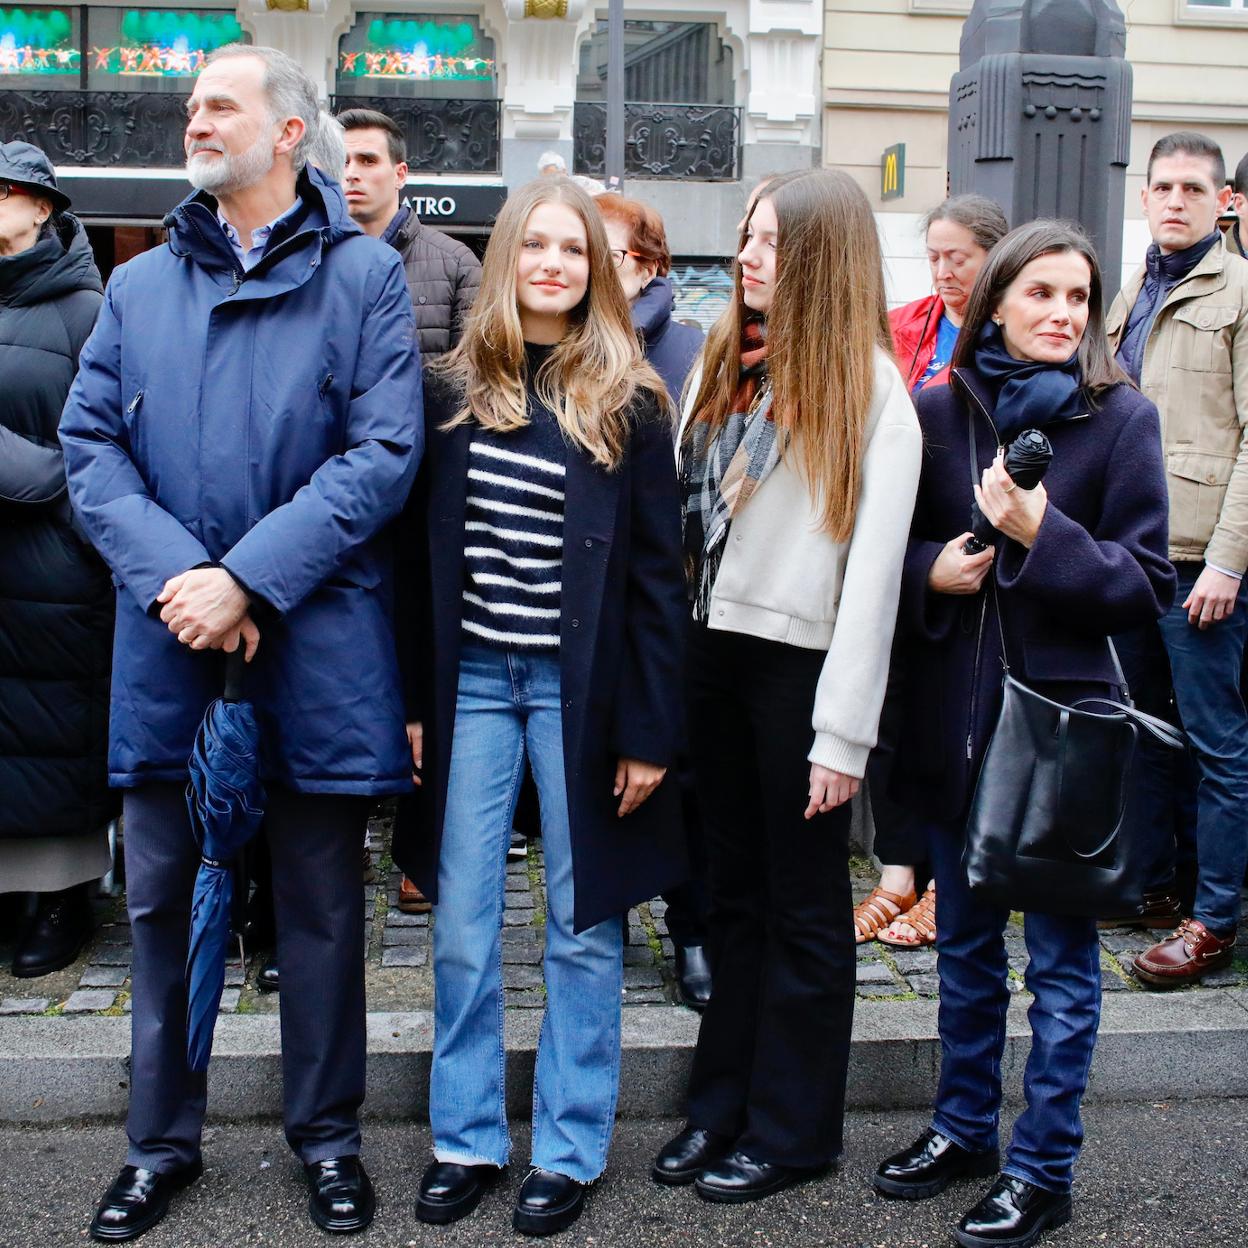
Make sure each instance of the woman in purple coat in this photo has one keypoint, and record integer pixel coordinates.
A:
(1080, 557)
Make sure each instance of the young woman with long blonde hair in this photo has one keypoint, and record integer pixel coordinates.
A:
(801, 457)
(549, 520)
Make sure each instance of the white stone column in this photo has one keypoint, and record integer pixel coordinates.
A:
(782, 39)
(308, 30)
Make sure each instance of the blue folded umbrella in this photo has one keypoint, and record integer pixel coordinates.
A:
(225, 798)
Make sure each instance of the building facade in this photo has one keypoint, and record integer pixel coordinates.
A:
(886, 71)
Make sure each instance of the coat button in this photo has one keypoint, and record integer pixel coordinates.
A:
(576, 623)
(737, 538)
(423, 298)
(589, 541)
(568, 704)
(720, 611)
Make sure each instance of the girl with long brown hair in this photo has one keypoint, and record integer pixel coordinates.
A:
(548, 520)
(801, 454)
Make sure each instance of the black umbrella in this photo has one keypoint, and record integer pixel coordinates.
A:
(1026, 461)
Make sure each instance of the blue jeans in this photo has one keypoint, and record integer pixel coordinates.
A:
(1064, 975)
(1205, 667)
(509, 704)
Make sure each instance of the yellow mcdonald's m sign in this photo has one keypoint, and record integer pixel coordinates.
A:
(893, 172)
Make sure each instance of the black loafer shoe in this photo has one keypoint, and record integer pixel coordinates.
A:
(739, 1178)
(449, 1191)
(1014, 1214)
(682, 1159)
(268, 977)
(342, 1197)
(693, 976)
(137, 1200)
(929, 1165)
(58, 933)
(548, 1203)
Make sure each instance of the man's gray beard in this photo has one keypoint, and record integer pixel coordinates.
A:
(229, 174)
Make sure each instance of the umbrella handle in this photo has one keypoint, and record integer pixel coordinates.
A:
(234, 669)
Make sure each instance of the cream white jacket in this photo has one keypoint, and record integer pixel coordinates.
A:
(784, 579)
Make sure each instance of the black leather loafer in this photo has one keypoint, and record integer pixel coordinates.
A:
(548, 1203)
(682, 1159)
(137, 1200)
(1014, 1214)
(693, 976)
(449, 1191)
(268, 977)
(929, 1165)
(342, 1197)
(738, 1178)
(59, 932)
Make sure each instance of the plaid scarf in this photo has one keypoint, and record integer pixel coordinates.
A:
(723, 472)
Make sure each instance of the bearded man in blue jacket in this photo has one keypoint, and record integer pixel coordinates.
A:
(245, 422)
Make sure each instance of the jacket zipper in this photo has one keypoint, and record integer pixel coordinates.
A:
(134, 403)
(983, 606)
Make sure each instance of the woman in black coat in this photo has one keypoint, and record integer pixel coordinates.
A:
(56, 600)
(547, 516)
(1080, 557)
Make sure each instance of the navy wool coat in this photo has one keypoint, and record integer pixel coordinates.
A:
(621, 633)
(56, 602)
(1099, 566)
(267, 421)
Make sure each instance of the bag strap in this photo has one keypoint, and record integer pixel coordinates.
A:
(1166, 733)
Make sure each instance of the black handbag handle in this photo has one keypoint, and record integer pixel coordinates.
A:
(1167, 734)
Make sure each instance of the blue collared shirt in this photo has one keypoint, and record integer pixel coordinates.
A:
(250, 256)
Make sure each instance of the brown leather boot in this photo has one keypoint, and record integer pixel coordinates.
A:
(411, 899)
(1188, 953)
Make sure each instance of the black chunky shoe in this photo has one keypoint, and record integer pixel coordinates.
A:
(1014, 1214)
(449, 1191)
(693, 976)
(137, 1200)
(738, 1178)
(929, 1165)
(58, 933)
(548, 1203)
(269, 977)
(342, 1198)
(682, 1159)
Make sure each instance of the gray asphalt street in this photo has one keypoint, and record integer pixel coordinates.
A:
(1152, 1176)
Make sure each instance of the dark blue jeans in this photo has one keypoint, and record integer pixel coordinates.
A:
(1064, 975)
(1205, 668)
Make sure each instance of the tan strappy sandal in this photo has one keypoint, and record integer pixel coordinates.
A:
(921, 917)
(871, 916)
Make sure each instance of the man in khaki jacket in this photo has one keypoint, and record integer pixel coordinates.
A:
(1180, 328)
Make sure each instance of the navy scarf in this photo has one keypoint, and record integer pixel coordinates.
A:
(1028, 394)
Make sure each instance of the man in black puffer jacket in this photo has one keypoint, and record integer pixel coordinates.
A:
(56, 599)
(442, 274)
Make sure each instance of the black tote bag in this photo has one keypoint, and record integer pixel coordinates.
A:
(1051, 824)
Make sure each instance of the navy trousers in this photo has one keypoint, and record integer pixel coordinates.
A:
(1064, 974)
(314, 840)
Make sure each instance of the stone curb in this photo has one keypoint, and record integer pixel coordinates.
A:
(1151, 1048)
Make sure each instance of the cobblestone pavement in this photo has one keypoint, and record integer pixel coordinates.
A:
(399, 975)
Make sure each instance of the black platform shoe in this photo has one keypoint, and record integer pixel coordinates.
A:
(268, 977)
(342, 1197)
(137, 1200)
(449, 1191)
(929, 1165)
(548, 1203)
(1014, 1214)
(682, 1159)
(62, 925)
(739, 1178)
(693, 976)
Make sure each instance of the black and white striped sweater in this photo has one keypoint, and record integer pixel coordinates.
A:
(513, 547)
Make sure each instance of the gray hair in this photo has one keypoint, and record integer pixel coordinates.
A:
(552, 160)
(977, 213)
(291, 93)
(328, 150)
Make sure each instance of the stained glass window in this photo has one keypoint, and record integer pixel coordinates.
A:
(416, 54)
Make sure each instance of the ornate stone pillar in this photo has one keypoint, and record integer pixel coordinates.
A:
(308, 30)
(781, 40)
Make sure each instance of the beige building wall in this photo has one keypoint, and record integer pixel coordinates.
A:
(886, 71)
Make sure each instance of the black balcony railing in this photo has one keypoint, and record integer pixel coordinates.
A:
(98, 128)
(698, 141)
(443, 136)
(144, 129)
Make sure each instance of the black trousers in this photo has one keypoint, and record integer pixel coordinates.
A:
(688, 904)
(773, 1051)
(314, 840)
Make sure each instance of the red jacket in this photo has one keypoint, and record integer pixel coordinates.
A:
(914, 338)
